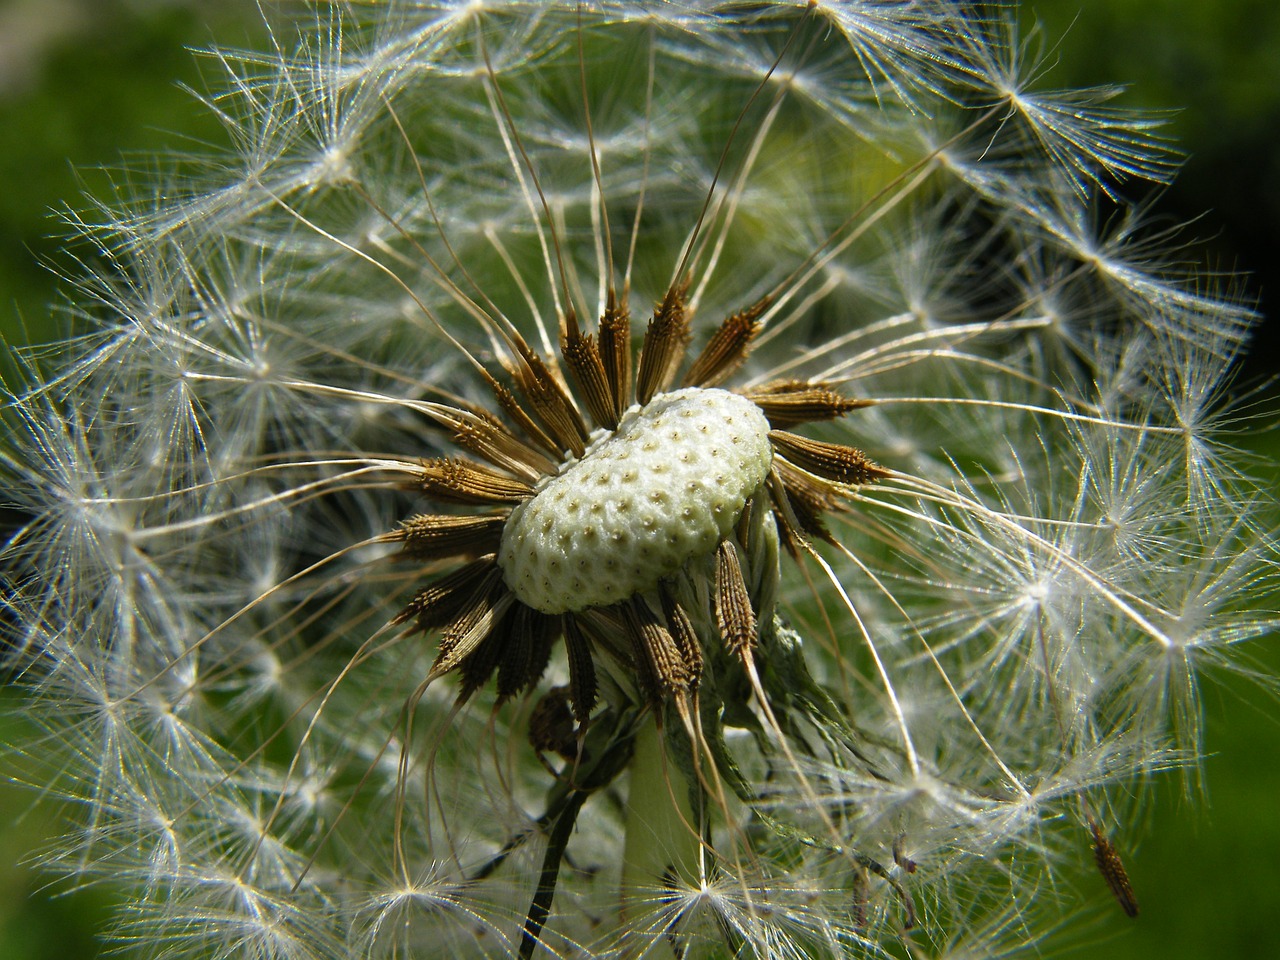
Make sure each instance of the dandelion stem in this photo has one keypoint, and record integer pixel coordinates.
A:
(540, 908)
(661, 841)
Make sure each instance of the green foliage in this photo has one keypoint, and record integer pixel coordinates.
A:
(112, 83)
(1213, 64)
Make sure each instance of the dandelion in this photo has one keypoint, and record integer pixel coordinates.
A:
(394, 583)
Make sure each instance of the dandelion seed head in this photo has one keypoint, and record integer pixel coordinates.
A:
(385, 587)
(667, 485)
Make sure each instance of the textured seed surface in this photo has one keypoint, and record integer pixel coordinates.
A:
(666, 486)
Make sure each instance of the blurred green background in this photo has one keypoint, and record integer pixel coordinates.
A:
(83, 80)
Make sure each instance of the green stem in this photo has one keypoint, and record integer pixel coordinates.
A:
(661, 841)
(540, 909)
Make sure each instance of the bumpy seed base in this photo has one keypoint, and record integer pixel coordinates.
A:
(666, 486)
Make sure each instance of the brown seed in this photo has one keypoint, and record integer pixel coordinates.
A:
(661, 665)
(527, 640)
(442, 601)
(789, 402)
(1113, 872)
(817, 495)
(664, 344)
(511, 406)
(462, 481)
(683, 634)
(477, 667)
(582, 669)
(582, 357)
(487, 438)
(615, 353)
(831, 461)
(727, 348)
(800, 500)
(550, 403)
(734, 616)
(435, 537)
(482, 611)
(789, 526)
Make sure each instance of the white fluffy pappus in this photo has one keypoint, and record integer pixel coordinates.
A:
(261, 597)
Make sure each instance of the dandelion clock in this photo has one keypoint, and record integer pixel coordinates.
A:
(620, 480)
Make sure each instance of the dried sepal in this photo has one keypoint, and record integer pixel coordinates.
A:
(551, 724)
(904, 862)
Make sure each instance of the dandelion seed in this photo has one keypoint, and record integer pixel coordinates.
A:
(1113, 872)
